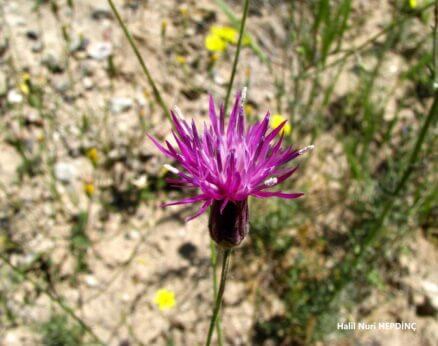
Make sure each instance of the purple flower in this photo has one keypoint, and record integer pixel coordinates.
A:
(228, 164)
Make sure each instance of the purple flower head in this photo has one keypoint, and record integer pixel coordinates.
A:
(228, 164)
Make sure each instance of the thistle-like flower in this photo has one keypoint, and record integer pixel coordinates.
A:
(228, 164)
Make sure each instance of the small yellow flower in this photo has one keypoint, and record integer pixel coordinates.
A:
(24, 87)
(24, 83)
(214, 43)
(163, 25)
(89, 189)
(229, 34)
(181, 59)
(249, 110)
(93, 155)
(164, 299)
(142, 261)
(413, 3)
(276, 120)
(226, 33)
(248, 72)
(214, 57)
(184, 10)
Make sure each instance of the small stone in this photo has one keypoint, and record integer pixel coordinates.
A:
(88, 83)
(32, 35)
(77, 43)
(141, 181)
(430, 290)
(101, 13)
(37, 47)
(65, 172)
(120, 104)
(91, 281)
(53, 63)
(61, 85)
(100, 50)
(14, 96)
(133, 235)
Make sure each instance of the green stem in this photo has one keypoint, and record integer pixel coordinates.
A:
(213, 258)
(54, 298)
(435, 48)
(218, 303)
(152, 84)
(236, 57)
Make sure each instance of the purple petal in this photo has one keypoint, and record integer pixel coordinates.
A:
(265, 194)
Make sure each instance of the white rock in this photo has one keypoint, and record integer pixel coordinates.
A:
(65, 172)
(100, 50)
(91, 281)
(431, 291)
(14, 96)
(88, 83)
(120, 104)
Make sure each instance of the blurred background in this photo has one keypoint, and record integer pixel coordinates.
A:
(88, 256)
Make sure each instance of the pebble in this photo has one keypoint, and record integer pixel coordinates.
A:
(101, 13)
(100, 50)
(32, 35)
(37, 47)
(91, 281)
(14, 96)
(120, 104)
(77, 43)
(430, 290)
(65, 172)
(53, 63)
(88, 83)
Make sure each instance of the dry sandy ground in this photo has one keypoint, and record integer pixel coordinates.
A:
(136, 252)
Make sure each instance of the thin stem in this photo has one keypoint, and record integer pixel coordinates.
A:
(152, 84)
(213, 259)
(53, 297)
(236, 57)
(218, 303)
(435, 48)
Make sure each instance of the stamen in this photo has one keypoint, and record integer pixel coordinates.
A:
(271, 181)
(178, 112)
(306, 149)
(172, 169)
(243, 97)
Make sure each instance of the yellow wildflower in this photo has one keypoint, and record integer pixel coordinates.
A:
(276, 120)
(93, 155)
(163, 26)
(249, 110)
(214, 57)
(184, 10)
(219, 37)
(226, 33)
(229, 34)
(214, 43)
(413, 3)
(164, 299)
(89, 189)
(24, 83)
(181, 59)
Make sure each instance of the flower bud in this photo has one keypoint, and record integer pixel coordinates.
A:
(229, 227)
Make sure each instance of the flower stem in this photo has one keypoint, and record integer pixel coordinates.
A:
(152, 84)
(213, 259)
(217, 305)
(236, 57)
